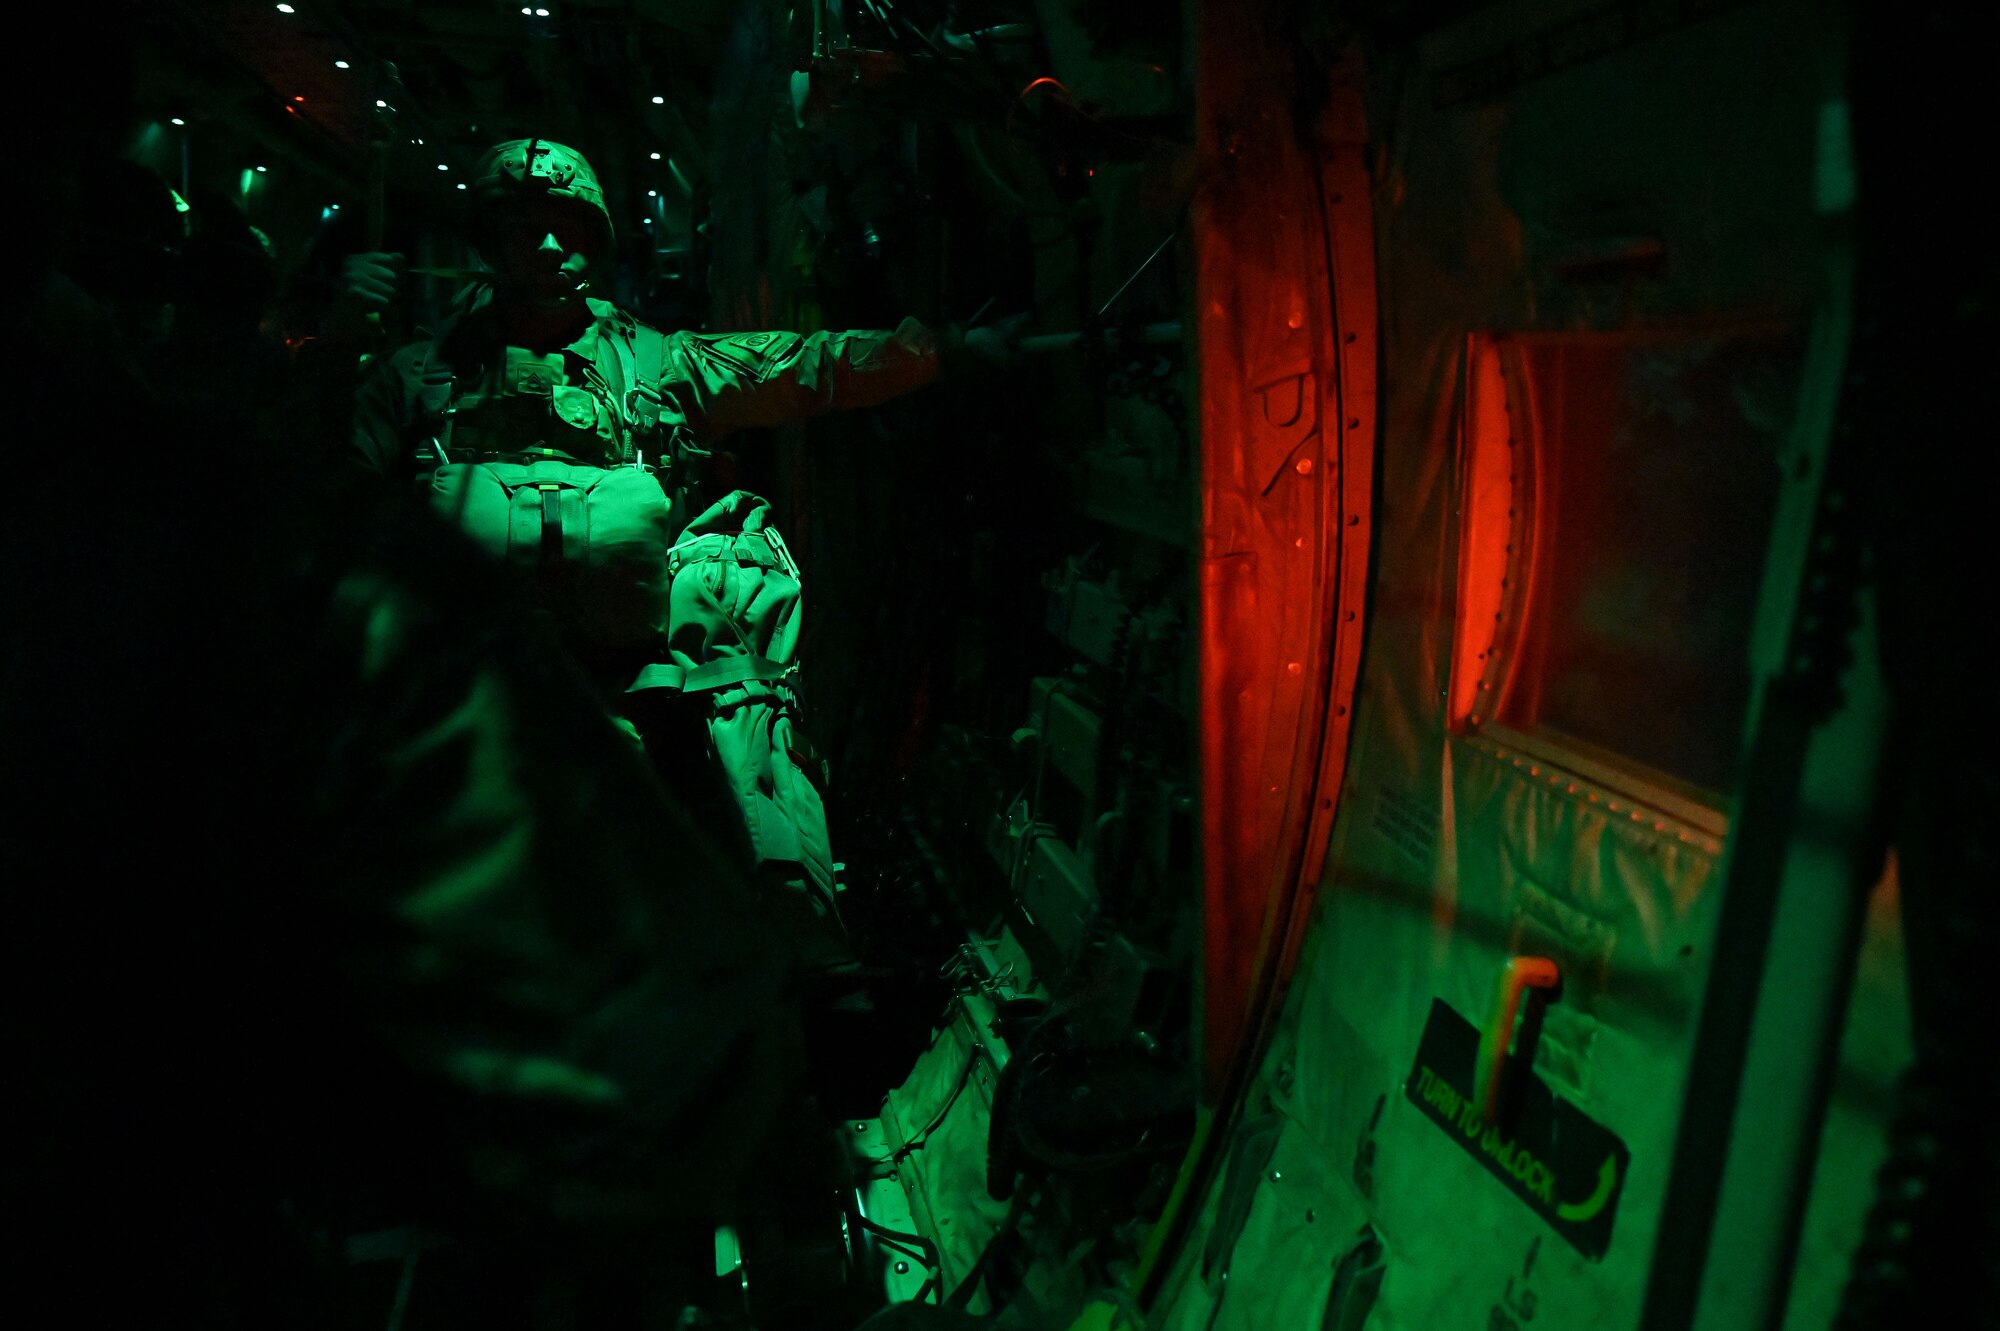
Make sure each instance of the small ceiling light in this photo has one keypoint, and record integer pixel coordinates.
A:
(260, 170)
(443, 167)
(341, 64)
(420, 143)
(647, 220)
(286, 9)
(527, 9)
(380, 103)
(298, 97)
(461, 184)
(659, 100)
(541, 13)
(655, 156)
(177, 121)
(652, 194)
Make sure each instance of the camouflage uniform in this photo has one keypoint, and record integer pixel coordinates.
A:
(575, 467)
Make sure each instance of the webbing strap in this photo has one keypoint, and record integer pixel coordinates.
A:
(659, 675)
(574, 522)
(643, 353)
(434, 382)
(718, 674)
(735, 670)
(434, 385)
(552, 521)
(524, 525)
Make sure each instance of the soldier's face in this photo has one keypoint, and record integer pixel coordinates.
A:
(539, 251)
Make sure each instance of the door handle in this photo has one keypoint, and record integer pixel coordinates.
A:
(1519, 973)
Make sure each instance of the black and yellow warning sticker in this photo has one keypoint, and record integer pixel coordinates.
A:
(1568, 1168)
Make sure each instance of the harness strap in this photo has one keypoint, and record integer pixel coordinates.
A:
(527, 457)
(718, 674)
(435, 380)
(434, 397)
(643, 358)
(527, 519)
(634, 374)
(552, 496)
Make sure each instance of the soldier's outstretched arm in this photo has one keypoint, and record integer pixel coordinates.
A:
(732, 381)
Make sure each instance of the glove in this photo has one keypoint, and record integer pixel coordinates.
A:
(368, 286)
(989, 346)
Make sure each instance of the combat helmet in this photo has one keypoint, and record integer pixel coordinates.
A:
(527, 168)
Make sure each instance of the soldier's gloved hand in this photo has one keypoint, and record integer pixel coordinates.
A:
(368, 285)
(990, 346)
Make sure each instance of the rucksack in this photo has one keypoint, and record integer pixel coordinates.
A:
(733, 636)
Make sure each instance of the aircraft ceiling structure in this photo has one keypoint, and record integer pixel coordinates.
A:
(308, 90)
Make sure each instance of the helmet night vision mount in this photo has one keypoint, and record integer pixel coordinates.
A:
(522, 170)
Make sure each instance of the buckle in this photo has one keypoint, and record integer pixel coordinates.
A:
(783, 552)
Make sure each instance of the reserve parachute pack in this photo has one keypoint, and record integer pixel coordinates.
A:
(575, 483)
(581, 487)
